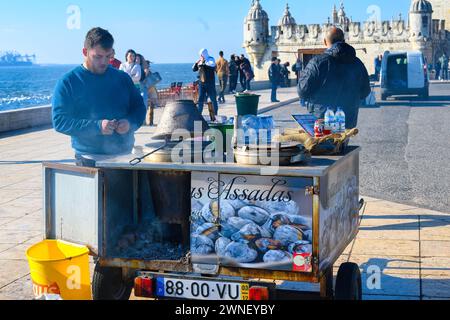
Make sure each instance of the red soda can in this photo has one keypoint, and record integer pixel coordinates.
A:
(319, 128)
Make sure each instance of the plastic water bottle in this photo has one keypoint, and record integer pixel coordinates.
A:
(330, 121)
(340, 119)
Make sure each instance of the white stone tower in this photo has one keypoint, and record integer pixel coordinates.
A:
(420, 27)
(420, 20)
(256, 32)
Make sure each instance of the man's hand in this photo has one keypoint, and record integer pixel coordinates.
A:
(108, 127)
(123, 126)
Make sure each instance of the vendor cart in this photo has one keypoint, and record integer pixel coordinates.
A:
(174, 230)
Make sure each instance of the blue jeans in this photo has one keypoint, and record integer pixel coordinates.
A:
(204, 90)
(273, 96)
(233, 83)
(247, 84)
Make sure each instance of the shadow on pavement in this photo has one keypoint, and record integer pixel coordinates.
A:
(428, 221)
(402, 286)
(24, 131)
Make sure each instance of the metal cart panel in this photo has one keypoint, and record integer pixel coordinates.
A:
(339, 210)
(73, 204)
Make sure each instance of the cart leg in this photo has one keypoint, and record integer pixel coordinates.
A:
(326, 284)
(150, 115)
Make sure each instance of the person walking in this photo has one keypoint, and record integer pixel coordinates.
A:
(248, 73)
(131, 68)
(444, 61)
(282, 74)
(96, 105)
(152, 94)
(206, 67)
(378, 64)
(140, 60)
(335, 79)
(223, 72)
(437, 69)
(286, 74)
(241, 74)
(234, 74)
(274, 77)
(297, 68)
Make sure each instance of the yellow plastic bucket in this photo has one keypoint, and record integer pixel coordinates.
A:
(59, 267)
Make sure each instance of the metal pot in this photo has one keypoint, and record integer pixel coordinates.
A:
(285, 155)
(180, 115)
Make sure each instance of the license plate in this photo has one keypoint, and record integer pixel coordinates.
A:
(201, 290)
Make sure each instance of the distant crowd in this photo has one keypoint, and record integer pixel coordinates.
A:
(138, 68)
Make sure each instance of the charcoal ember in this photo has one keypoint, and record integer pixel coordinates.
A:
(300, 247)
(266, 244)
(277, 256)
(227, 211)
(221, 246)
(233, 225)
(255, 214)
(163, 251)
(289, 207)
(288, 234)
(249, 232)
(240, 252)
(201, 245)
(210, 212)
(209, 230)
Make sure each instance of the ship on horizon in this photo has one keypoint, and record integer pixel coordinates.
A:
(14, 59)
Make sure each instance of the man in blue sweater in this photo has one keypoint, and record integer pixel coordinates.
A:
(97, 105)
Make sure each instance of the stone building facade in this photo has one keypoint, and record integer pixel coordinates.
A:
(423, 30)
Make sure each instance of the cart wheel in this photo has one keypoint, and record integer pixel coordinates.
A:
(348, 282)
(108, 284)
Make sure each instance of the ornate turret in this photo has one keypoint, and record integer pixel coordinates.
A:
(420, 17)
(256, 32)
(342, 19)
(334, 15)
(287, 19)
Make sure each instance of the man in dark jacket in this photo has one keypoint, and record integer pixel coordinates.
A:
(234, 72)
(335, 79)
(275, 78)
(297, 68)
(241, 74)
(206, 68)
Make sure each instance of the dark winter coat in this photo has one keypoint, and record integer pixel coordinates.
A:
(335, 79)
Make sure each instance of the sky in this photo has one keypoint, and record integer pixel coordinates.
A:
(164, 31)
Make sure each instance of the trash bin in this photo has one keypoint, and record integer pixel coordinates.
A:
(247, 104)
(59, 267)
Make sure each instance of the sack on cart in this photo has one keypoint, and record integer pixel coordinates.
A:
(329, 145)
